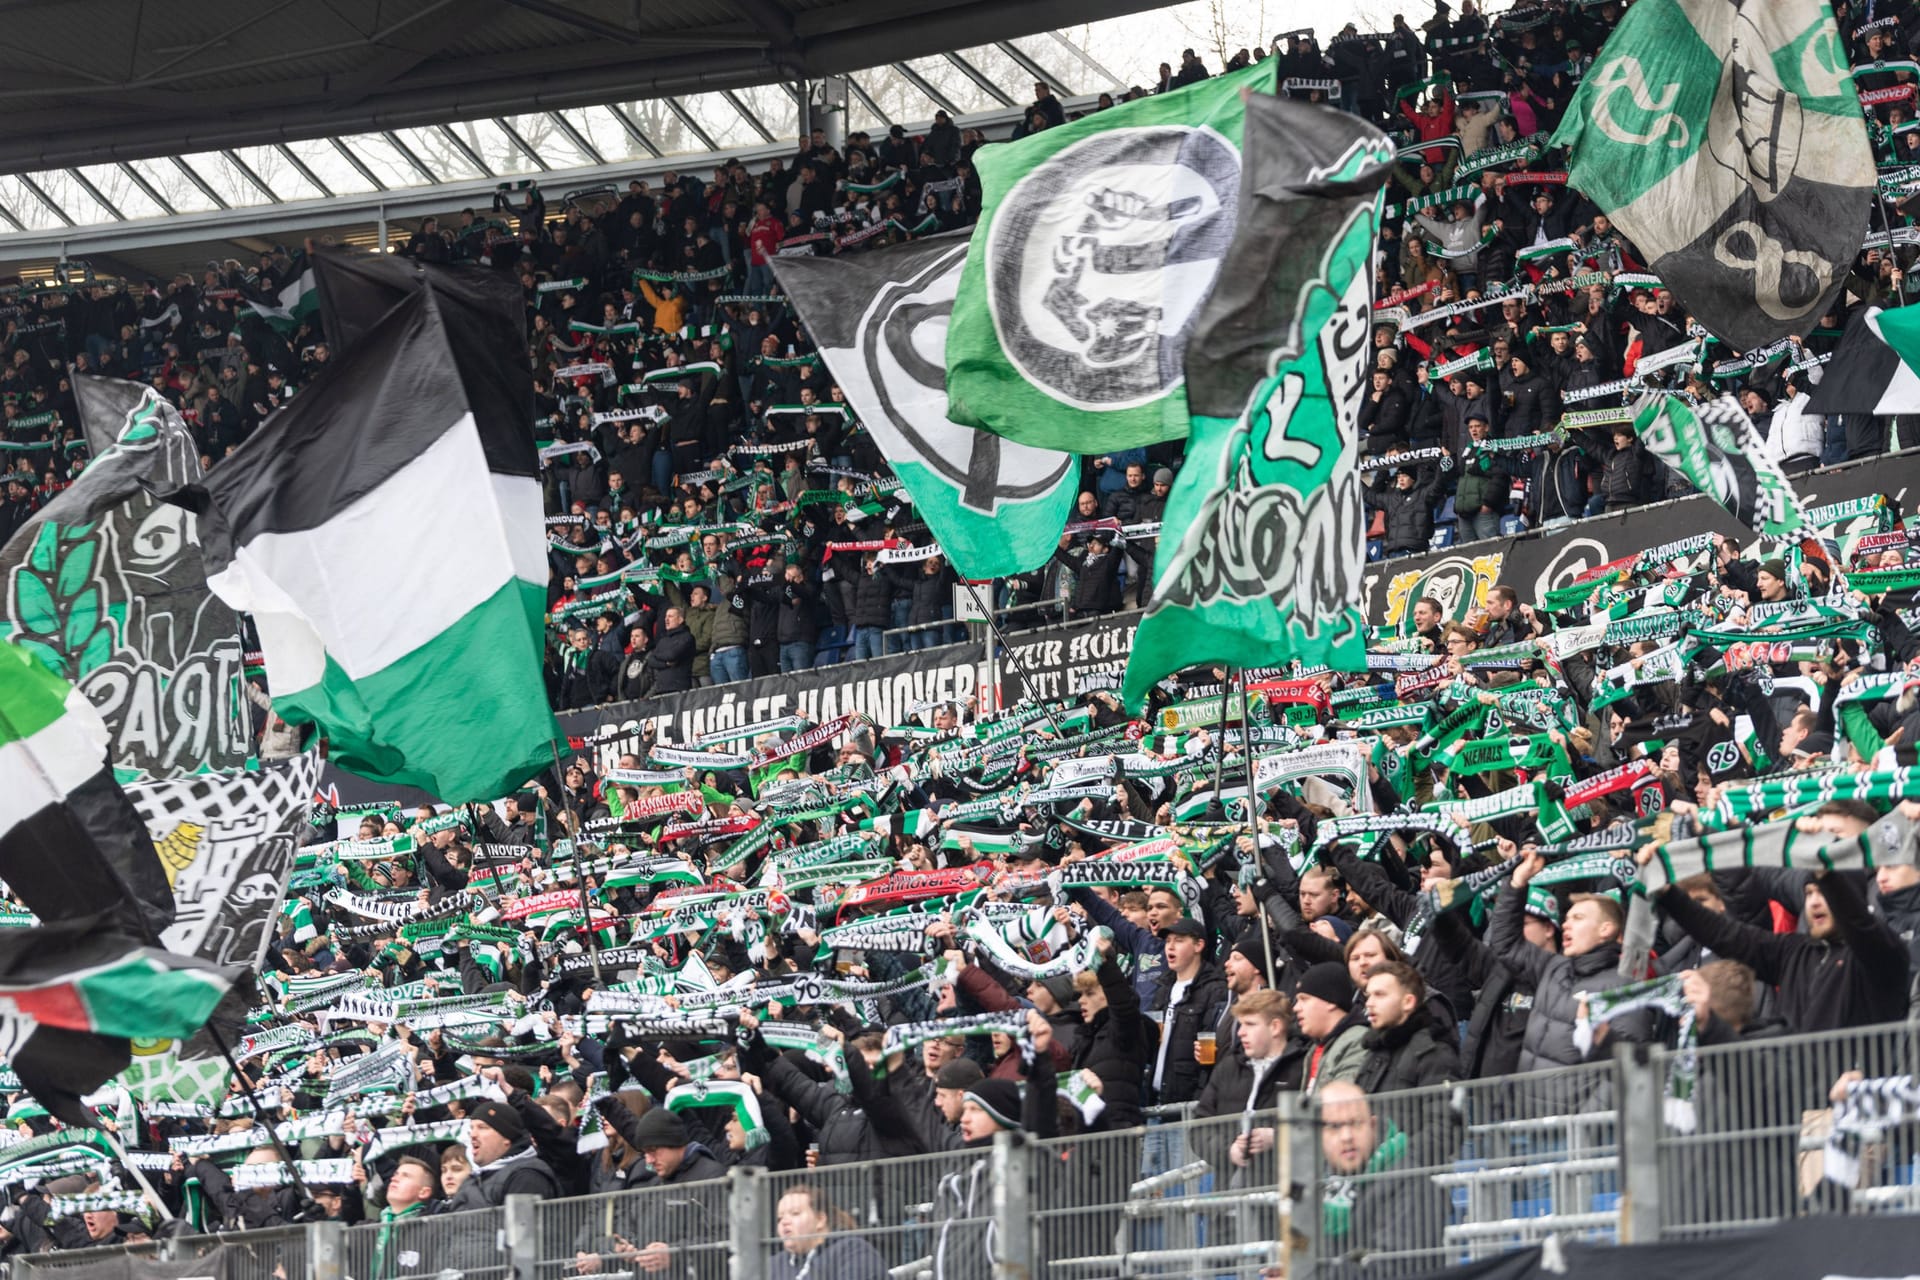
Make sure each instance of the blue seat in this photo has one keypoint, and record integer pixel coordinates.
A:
(1376, 548)
(1443, 536)
(1511, 525)
(1444, 512)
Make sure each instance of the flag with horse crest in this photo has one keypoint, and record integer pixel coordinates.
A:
(1098, 241)
(1725, 139)
(106, 586)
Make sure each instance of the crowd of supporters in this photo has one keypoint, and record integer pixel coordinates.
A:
(681, 406)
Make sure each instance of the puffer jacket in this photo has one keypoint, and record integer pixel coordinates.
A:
(1555, 979)
(873, 598)
(729, 623)
(1407, 1056)
(1409, 513)
(1483, 483)
(1116, 1045)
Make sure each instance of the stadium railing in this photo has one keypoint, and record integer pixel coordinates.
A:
(1652, 1144)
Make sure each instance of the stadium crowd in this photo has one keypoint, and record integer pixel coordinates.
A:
(685, 419)
(803, 945)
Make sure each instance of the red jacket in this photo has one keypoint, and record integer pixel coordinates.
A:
(1430, 127)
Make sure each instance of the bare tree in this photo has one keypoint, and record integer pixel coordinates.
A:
(1223, 27)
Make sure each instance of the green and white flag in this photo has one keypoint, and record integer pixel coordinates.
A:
(1727, 141)
(1097, 245)
(297, 302)
(1266, 562)
(880, 318)
(443, 690)
(1716, 448)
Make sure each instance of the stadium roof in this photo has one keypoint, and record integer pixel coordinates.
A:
(90, 82)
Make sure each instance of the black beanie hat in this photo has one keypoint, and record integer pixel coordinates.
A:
(500, 1118)
(1328, 981)
(999, 1099)
(660, 1127)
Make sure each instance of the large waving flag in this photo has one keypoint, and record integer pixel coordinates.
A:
(1262, 548)
(388, 540)
(1098, 241)
(880, 320)
(71, 842)
(77, 986)
(1726, 140)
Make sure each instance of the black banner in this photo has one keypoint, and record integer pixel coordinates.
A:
(1535, 562)
(1831, 1245)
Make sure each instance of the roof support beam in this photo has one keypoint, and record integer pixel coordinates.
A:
(974, 74)
(300, 167)
(359, 165)
(200, 182)
(407, 153)
(693, 126)
(925, 86)
(526, 148)
(579, 139)
(633, 130)
(753, 121)
(96, 193)
(233, 158)
(460, 144)
(153, 192)
(1033, 68)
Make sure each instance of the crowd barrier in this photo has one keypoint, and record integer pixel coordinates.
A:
(1651, 1145)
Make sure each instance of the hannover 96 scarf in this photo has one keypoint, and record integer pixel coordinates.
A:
(1096, 246)
(1726, 141)
(1716, 448)
(1267, 561)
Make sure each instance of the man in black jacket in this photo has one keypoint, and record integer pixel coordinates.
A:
(1404, 1049)
(1847, 970)
(1268, 1059)
(1190, 988)
(1096, 585)
(671, 656)
(504, 1161)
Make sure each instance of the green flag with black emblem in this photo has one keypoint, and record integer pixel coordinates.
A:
(1261, 548)
(1097, 245)
(1727, 142)
(1716, 448)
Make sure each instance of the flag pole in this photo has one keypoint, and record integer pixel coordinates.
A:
(260, 1118)
(579, 863)
(139, 1176)
(1253, 821)
(1011, 659)
(1217, 807)
(151, 937)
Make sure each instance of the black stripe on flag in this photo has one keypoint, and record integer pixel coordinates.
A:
(349, 432)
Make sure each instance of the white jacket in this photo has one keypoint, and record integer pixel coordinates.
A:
(1793, 433)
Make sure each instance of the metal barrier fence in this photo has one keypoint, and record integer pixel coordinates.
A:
(1743, 1130)
(1409, 1182)
(1653, 1144)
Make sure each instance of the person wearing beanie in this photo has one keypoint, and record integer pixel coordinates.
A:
(1245, 971)
(675, 1160)
(1772, 580)
(1323, 1007)
(504, 1161)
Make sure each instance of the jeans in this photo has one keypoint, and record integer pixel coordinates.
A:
(866, 642)
(728, 664)
(1482, 524)
(797, 656)
(760, 279)
(662, 470)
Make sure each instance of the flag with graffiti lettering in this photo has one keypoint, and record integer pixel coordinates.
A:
(107, 588)
(1727, 141)
(1261, 555)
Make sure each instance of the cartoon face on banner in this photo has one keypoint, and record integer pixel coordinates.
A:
(1459, 584)
(108, 589)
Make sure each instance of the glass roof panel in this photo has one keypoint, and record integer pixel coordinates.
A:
(991, 61)
(220, 174)
(895, 95)
(495, 149)
(721, 121)
(441, 156)
(125, 193)
(598, 126)
(951, 83)
(669, 132)
(173, 185)
(775, 108)
(385, 160)
(321, 156)
(279, 173)
(550, 142)
(73, 199)
(26, 206)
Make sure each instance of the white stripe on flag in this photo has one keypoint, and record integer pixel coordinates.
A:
(1902, 392)
(357, 588)
(524, 515)
(44, 768)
